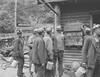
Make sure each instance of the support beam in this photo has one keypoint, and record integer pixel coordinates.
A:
(49, 6)
(57, 17)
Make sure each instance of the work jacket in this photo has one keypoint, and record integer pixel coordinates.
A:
(18, 48)
(89, 51)
(48, 46)
(38, 53)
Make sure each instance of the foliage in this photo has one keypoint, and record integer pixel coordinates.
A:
(27, 13)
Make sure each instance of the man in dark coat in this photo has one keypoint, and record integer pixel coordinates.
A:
(89, 51)
(19, 53)
(39, 55)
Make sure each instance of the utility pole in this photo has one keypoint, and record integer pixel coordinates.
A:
(15, 15)
(57, 17)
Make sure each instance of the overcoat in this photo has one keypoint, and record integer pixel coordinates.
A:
(38, 53)
(89, 51)
(18, 48)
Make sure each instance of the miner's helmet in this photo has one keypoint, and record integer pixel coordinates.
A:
(35, 31)
(19, 32)
(40, 30)
(48, 29)
(88, 29)
(58, 28)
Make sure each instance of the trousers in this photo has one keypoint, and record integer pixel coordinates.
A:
(58, 56)
(20, 67)
(39, 70)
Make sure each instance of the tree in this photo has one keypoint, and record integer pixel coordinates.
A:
(6, 23)
(27, 13)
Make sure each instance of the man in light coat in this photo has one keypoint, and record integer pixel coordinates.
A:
(49, 49)
(58, 40)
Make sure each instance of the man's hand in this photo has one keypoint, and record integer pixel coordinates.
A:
(43, 64)
(84, 65)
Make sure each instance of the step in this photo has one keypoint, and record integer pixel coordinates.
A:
(73, 54)
(72, 51)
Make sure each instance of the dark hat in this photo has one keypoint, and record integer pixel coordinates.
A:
(19, 32)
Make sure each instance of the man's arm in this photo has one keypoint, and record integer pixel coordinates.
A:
(50, 48)
(41, 51)
(85, 50)
(15, 48)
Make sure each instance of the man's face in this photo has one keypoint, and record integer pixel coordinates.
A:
(97, 32)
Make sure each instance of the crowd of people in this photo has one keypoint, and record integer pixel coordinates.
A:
(46, 48)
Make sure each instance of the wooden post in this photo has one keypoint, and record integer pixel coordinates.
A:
(15, 15)
(91, 23)
(57, 17)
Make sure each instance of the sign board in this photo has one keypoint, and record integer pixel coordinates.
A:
(73, 39)
(4, 36)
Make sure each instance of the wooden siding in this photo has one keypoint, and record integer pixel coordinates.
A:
(74, 22)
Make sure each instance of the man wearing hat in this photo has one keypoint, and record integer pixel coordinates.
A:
(91, 53)
(59, 49)
(49, 49)
(19, 53)
(30, 45)
(38, 54)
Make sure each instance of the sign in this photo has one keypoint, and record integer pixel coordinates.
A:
(73, 38)
(10, 35)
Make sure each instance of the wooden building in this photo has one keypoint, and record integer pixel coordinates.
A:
(72, 15)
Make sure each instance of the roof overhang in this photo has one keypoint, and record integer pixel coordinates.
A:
(55, 0)
(79, 1)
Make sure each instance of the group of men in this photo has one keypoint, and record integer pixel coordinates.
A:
(46, 46)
